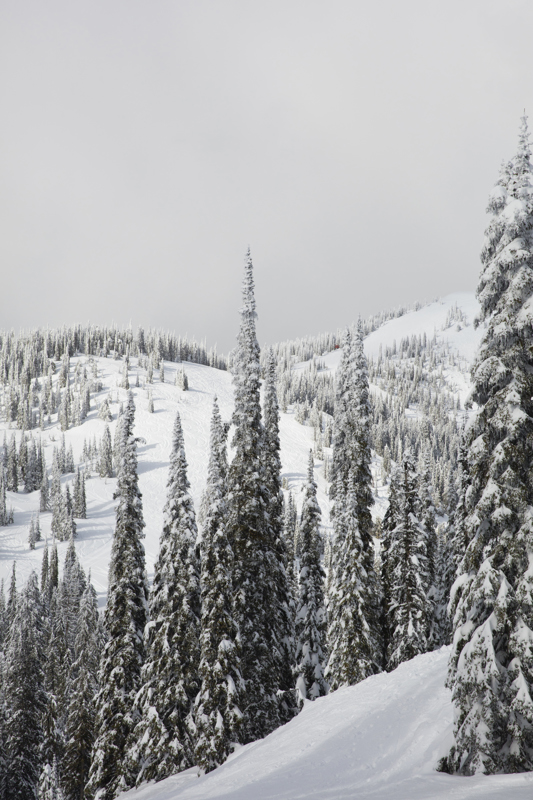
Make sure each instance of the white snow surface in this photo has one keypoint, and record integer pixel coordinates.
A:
(379, 740)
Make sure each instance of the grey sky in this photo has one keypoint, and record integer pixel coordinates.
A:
(145, 144)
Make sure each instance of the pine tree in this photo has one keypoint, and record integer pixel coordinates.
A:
(491, 664)
(248, 530)
(429, 568)
(79, 507)
(311, 612)
(44, 502)
(218, 714)
(163, 741)
(125, 618)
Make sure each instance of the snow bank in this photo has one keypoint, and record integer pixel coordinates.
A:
(380, 739)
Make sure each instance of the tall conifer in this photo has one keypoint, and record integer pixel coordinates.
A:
(126, 615)
(163, 741)
(491, 665)
(248, 530)
(218, 714)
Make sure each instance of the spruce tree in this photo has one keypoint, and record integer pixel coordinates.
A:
(248, 530)
(25, 696)
(163, 740)
(218, 714)
(354, 636)
(409, 609)
(83, 686)
(491, 665)
(126, 615)
(282, 644)
(105, 467)
(311, 613)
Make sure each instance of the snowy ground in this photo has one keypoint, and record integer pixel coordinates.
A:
(379, 740)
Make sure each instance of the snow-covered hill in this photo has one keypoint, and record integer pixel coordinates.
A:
(379, 740)
(95, 533)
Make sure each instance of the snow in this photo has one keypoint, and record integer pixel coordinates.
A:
(380, 739)
(195, 406)
(93, 542)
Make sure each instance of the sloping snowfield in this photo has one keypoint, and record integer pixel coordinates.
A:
(379, 740)
(94, 534)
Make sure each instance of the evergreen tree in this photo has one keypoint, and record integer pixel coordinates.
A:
(218, 714)
(106, 455)
(248, 530)
(125, 618)
(83, 686)
(79, 506)
(44, 502)
(12, 469)
(311, 612)
(25, 697)
(491, 665)
(282, 644)
(388, 525)
(409, 609)
(354, 635)
(163, 740)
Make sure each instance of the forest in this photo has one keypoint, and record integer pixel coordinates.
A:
(258, 603)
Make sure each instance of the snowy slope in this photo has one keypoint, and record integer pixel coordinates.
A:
(95, 533)
(94, 538)
(378, 740)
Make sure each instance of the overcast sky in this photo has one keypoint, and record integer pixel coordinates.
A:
(144, 144)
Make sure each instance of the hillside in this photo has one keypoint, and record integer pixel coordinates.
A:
(94, 534)
(379, 740)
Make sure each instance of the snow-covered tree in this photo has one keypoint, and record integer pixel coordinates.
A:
(218, 714)
(163, 740)
(491, 665)
(83, 685)
(126, 615)
(282, 644)
(105, 467)
(409, 609)
(354, 636)
(248, 530)
(310, 613)
(24, 696)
